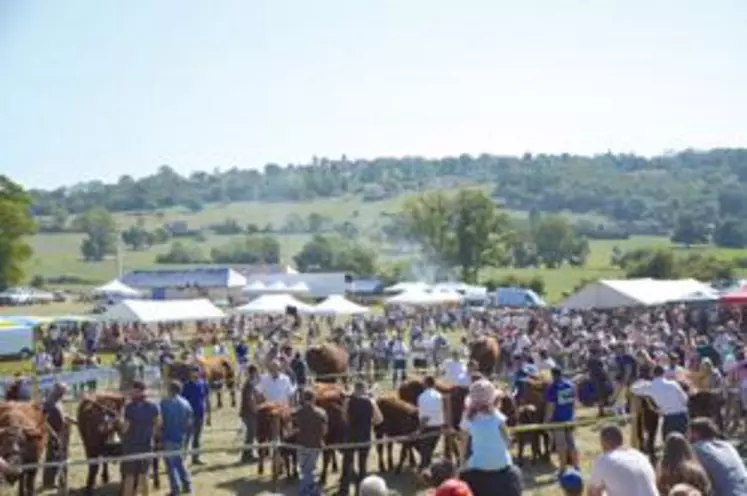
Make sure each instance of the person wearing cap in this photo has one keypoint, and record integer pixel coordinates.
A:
(489, 464)
(571, 482)
(196, 392)
(561, 398)
(373, 485)
(453, 487)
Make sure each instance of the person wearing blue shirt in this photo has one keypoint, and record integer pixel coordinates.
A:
(176, 417)
(561, 397)
(196, 392)
(241, 351)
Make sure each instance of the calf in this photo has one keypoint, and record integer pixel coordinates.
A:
(528, 415)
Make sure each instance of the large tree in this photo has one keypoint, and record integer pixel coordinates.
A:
(101, 234)
(16, 224)
(467, 230)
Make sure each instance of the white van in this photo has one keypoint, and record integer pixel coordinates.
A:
(16, 341)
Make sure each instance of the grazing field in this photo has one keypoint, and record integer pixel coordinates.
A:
(58, 255)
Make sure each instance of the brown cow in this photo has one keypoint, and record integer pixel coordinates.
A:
(217, 372)
(327, 361)
(331, 399)
(96, 413)
(485, 352)
(400, 419)
(23, 436)
(269, 415)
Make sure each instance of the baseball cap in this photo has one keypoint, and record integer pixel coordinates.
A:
(453, 487)
(571, 481)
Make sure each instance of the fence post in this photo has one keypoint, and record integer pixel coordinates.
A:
(449, 435)
(274, 452)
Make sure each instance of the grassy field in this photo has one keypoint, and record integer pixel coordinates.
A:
(59, 254)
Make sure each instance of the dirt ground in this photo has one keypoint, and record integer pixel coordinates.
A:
(221, 475)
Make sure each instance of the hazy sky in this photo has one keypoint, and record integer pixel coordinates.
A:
(93, 89)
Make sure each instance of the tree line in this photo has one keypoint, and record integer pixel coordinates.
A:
(640, 195)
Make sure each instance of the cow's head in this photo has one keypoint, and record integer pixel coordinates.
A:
(16, 443)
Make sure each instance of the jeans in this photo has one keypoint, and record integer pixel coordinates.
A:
(307, 458)
(674, 423)
(194, 437)
(400, 370)
(175, 469)
(250, 436)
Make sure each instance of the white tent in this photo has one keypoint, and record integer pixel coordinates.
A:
(274, 304)
(414, 297)
(277, 286)
(338, 305)
(116, 288)
(446, 296)
(402, 287)
(162, 311)
(255, 287)
(637, 292)
(299, 287)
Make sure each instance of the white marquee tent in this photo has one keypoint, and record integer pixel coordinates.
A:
(403, 287)
(414, 297)
(255, 287)
(116, 288)
(338, 305)
(446, 295)
(610, 293)
(299, 287)
(162, 311)
(277, 286)
(274, 304)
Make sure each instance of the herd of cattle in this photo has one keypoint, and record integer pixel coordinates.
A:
(24, 430)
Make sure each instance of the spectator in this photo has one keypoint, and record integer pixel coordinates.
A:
(141, 418)
(299, 368)
(678, 464)
(57, 422)
(571, 482)
(720, 459)
(276, 386)
(196, 391)
(310, 438)
(455, 371)
(361, 414)
(454, 487)
(373, 485)
(176, 417)
(560, 398)
(669, 398)
(248, 411)
(431, 409)
(620, 471)
(439, 472)
(489, 464)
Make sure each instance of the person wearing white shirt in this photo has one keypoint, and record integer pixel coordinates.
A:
(455, 371)
(275, 386)
(522, 342)
(670, 399)
(545, 362)
(431, 409)
(399, 356)
(620, 470)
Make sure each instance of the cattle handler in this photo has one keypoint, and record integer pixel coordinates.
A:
(58, 425)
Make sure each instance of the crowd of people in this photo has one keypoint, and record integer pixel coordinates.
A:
(617, 352)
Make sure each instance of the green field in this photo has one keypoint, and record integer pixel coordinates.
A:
(59, 254)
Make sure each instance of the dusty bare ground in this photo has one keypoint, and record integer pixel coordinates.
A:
(221, 475)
